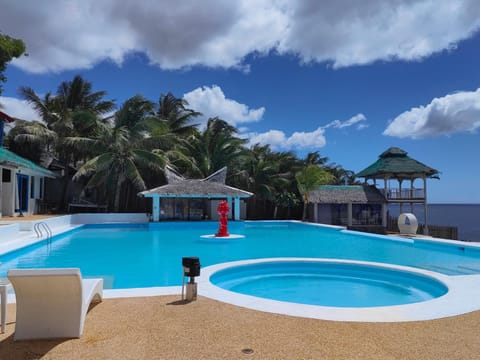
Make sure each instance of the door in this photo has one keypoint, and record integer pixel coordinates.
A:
(22, 182)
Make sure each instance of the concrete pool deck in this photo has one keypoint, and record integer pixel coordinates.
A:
(164, 327)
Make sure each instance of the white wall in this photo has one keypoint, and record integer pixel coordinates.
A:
(7, 193)
(109, 218)
(8, 198)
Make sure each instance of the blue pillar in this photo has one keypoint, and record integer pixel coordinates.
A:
(236, 209)
(156, 208)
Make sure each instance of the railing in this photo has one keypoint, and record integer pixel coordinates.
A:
(403, 194)
(40, 227)
(437, 231)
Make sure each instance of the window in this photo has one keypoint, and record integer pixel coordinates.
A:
(6, 175)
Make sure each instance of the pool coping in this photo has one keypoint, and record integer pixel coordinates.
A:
(461, 288)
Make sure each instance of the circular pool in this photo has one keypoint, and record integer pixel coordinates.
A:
(326, 283)
(341, 290)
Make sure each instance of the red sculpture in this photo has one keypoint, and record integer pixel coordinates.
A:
(222, 211)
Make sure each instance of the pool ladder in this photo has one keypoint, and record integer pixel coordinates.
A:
(41, 227)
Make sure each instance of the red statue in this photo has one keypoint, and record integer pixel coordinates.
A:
(222, 211)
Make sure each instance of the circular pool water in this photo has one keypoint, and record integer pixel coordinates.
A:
(324, 283)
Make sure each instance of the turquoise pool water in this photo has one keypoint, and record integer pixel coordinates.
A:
(329, 284)
(146, 255)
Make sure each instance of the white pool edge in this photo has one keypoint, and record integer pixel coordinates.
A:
(463, 296)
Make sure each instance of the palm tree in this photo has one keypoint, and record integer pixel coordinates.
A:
(342, 176)
(310, 178)
(119, 162)
(174, 112)
(127, 153)
(259, 173)
(285, 199)
(215, 147)
(314, 158)
(74, 110)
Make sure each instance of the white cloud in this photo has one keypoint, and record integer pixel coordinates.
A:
(277, 139)
(351, 32)
(298, 140)
(65, 35)
(17, 108)
(314, 139)
(459, 112)
(350, 122)
(211, 102)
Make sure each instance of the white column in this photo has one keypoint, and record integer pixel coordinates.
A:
(385, 191)
(156, 208)
(411, 194)
(236, 210)
(400, 194)
(315, 212)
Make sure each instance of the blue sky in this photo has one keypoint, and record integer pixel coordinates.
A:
(348, 79)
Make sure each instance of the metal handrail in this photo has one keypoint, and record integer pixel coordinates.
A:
(38, 229)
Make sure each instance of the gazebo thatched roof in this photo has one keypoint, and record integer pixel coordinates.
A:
(394, 163)
(344, 194)
(210, 187)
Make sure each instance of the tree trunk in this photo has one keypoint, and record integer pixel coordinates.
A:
(305, 207)
(118, 191)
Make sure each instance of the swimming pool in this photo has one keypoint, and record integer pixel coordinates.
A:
(145, 259)
(149, 255)
(329, 283)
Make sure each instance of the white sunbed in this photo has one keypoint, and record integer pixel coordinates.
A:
(52, 303)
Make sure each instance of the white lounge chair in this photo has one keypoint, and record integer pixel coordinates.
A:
(52, 303)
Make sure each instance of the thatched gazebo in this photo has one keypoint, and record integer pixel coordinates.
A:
(349, 205)
(195, 197)
(394, 164)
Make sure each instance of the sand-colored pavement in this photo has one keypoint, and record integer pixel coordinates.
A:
(166, 328)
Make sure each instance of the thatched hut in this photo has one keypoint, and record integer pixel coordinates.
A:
(349, 205)
(191, 199)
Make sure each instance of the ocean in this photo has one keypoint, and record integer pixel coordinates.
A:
(466, 217)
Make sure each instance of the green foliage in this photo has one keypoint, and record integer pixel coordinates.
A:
(310, 178)
(10, 48)
(126, 152)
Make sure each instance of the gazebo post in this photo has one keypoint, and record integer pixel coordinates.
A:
(384, 215)
(156, 208)
(236, 208)
(425, 207)
(400, 193)
(350, 212)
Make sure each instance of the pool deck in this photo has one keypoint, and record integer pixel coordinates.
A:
(164, 327)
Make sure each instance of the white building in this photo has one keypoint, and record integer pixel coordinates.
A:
(21, 184)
